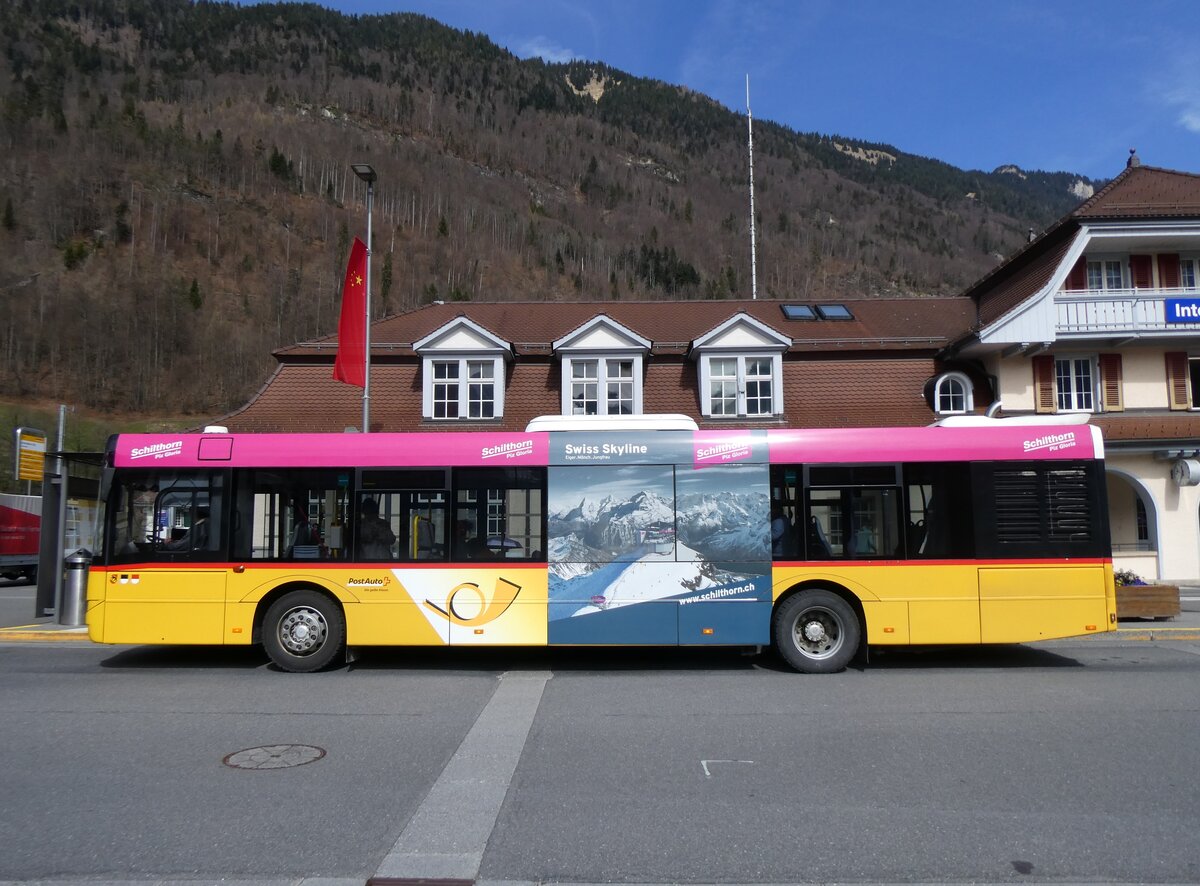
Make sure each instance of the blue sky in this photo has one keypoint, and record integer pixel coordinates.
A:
(1045, 84)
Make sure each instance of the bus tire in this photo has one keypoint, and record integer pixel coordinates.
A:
(816, 632)
(303, 631)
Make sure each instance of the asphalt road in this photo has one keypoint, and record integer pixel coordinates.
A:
(1072, 761)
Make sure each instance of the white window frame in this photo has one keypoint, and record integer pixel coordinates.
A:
(462, 342)
(939, 388)
(467, 387)
(743, 383)
(1105, 266)
(607, 372)
(1072, 399)
(1192, 265)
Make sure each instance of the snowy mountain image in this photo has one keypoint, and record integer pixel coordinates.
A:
(725, 526)
(611, 528)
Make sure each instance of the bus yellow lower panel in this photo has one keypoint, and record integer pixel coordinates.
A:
(165, 606)
(1022, 603)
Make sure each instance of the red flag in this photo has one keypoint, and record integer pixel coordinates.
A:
(349, 365)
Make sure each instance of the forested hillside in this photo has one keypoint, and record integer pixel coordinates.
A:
(177, 199)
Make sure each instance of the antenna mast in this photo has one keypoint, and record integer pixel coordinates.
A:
(750, 134)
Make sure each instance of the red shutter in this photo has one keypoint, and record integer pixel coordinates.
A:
(1168, 270)
(1110, 383)
(1043, 383)
(1077, 279)
(1177, 379)
(1141, 269)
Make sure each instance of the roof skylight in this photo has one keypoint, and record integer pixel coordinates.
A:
(834, 312)
(798, 312)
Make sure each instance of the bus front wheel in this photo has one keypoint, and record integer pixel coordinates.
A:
(303, 631)
(816, 632)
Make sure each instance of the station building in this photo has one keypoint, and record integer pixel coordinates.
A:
(1099, 315)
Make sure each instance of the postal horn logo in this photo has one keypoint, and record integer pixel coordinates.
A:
(469, 605)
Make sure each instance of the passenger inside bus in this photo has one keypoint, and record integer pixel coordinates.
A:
(305, 543)
(375, 537)
(195, 538)
(468, 545)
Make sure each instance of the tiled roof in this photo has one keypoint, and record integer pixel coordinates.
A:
(1006, 294)
(1145, 192)
(827, 392)
(1139, 192)
(1174, 429)
(889, 323)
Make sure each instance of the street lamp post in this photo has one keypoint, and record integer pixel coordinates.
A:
(367, 173)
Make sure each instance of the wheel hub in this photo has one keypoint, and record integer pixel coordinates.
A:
(302, 631)
(814, 632)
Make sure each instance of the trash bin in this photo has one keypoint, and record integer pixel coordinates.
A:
(74, 593)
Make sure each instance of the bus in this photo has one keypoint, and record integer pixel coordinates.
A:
(822, 543)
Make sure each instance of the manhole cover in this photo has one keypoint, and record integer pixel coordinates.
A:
(274, 756)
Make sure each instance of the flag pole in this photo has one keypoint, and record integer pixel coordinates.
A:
(367, 173)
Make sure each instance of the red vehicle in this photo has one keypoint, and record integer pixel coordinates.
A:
(20, 528)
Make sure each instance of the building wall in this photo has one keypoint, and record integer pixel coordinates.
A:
(1143, 377)
(1014, 377)
(1176, 515)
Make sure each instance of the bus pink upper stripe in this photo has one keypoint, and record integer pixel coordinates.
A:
(314, 450)
(822, 445)
(932, 444)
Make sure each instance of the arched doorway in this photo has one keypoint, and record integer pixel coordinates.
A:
(1133, 520)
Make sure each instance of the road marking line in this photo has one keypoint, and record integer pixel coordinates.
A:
(704, 765)
(448, 833)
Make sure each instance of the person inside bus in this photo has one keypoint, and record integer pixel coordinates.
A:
(196, 537)
(304, 537)
(818, 544)
(375, 537)
(780, 527)
(468, 545)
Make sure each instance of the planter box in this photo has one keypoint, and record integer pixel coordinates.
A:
(1147, 601)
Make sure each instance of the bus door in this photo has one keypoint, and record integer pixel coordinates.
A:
(498, 592)
(942, 573)
(614, 577)
(165, 581)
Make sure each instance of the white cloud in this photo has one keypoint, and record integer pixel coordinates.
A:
(546, 49)
(1181, 89)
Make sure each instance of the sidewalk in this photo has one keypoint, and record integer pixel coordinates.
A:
(44, 630)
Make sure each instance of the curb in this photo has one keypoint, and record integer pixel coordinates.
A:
(36, 633)
(1158, 633)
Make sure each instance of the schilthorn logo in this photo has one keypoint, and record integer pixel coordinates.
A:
(157, 450)
(723, 452)
(1050, 442)
(508, 450)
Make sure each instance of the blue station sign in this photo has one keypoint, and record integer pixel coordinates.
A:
(1183, 310)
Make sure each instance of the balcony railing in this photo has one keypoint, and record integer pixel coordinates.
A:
(1118, 311)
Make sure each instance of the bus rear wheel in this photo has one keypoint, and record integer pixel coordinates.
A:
(303, 631)
(816, 632)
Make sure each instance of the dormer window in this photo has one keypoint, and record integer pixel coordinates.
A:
(464, 388)
(952, 394)
(602, 369)
(601, 386)
(740, 365)
(462, 373)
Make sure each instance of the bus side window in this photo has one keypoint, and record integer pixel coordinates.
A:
(938, 512)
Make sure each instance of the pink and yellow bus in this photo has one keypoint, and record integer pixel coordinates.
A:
(822, 543)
